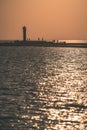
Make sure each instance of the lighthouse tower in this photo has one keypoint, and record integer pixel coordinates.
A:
(24, 33)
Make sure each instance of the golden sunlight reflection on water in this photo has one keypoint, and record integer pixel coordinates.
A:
(47, 91)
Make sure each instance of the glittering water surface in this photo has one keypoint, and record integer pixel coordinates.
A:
(43, 88)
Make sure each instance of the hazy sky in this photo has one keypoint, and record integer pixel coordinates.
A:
(50, 19)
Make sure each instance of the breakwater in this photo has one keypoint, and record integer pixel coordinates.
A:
(43, 44)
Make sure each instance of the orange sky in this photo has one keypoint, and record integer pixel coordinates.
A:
(50, 19)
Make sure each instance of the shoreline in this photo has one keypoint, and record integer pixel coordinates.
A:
(43, 44)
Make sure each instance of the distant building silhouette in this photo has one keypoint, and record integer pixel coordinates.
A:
(24, 33)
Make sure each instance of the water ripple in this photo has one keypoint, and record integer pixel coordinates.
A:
(43, 88)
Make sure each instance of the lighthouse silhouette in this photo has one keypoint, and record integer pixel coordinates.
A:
(24, 33)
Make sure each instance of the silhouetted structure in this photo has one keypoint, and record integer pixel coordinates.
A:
(38, 39)
(24, 33)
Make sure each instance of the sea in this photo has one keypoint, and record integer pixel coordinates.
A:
(43, 88)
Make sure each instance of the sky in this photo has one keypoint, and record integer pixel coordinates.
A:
(48, 19)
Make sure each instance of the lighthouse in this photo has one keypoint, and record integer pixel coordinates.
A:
(24, 33)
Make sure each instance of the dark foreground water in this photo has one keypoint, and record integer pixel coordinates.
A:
(43, 88)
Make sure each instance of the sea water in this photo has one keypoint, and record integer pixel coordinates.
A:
(43, 88)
